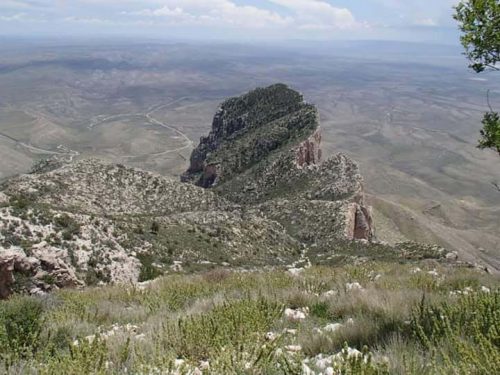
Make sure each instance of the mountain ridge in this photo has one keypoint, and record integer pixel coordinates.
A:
(272, 203)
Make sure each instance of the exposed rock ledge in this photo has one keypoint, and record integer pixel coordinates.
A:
(309, 152)
(42, 274)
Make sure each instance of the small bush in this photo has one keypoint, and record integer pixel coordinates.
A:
(321, 310)
(155, 227)
(217, 275)
(464, 336)
(236, 325)
(84, 358)
(20, 326)
(148, 271)
(21, 201)
(69, 225)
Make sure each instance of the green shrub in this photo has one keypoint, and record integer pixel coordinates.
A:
(148, 271)
(69, 225)
(361, 365)
(21, 201)
(20, 326)
(82, 359)
(233, 325)
(321, 310)
(464, 336)
(155, 227)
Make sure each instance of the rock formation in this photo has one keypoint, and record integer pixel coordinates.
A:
(266, 146)
(248, 129)
(19, 272)
(6, 276)
(309, 151)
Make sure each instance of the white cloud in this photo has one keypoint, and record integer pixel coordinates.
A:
(315, 14)
(14, 17)
(161, 12)
(425, 22)
(307, 14)
(214, 13)
(237, 18)
(89, 20)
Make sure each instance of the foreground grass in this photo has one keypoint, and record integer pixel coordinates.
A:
(403, 320)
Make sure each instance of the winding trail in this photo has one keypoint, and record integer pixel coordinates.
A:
(152, 120)
(64, 152)
(39, 150)
(38, 117)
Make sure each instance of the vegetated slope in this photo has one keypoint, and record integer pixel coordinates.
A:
(89, 222)
(315, 322)
(94, 187)
(272, 202)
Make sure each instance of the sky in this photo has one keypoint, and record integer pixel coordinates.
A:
(401, 20)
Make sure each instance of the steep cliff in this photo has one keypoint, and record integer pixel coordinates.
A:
(265, 147)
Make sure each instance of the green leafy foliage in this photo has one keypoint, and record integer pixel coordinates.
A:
(82, 359)
(464, 336)
(20, 326)
(231, 326)
(148, 269)
(224, 318)
(491, 131)
(479, 20)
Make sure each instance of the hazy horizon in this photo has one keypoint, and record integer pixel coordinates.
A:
(233, 20)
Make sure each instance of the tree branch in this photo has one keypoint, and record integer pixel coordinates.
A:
(493, 67)
(488, 100)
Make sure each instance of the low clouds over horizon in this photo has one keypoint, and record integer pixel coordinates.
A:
(418, 20)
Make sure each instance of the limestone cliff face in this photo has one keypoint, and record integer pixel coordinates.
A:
(309, 151)
(359, 222)
(266, 146)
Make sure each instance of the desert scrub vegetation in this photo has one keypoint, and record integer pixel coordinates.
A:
(465, 335)
(375, 318)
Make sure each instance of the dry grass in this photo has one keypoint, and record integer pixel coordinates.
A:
(222, 317)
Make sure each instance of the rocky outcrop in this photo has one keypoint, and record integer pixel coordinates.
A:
(90, 222)
(100, 188)
(34, 275)
(359, 222)
(6, 276)
(309, 151)
(257, 154)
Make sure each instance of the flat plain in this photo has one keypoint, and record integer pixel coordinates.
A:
(409, 114)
